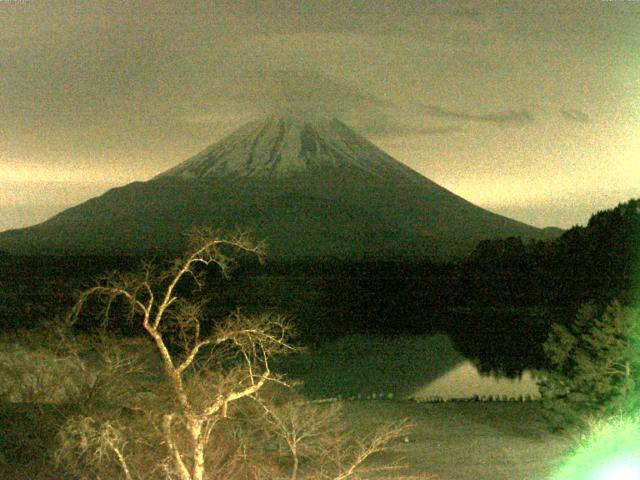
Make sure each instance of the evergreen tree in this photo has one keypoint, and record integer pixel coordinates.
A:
(594, 365)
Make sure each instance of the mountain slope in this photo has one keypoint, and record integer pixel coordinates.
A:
(309, 188)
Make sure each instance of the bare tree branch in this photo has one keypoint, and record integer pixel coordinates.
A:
(166, 313)
(209, 370)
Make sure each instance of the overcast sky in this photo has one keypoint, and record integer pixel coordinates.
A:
(529, 109)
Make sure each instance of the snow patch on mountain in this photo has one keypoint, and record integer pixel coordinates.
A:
(280, 147)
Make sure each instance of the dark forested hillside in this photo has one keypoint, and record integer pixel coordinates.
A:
(599, 261)
(497, 305)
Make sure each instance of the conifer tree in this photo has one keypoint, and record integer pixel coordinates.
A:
(594, 366)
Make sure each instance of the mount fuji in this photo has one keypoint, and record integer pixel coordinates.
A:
(310, 187)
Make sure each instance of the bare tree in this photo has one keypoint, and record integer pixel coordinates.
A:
(206, 409)
(303, 428)
(201, 394)
(94, 443)
(317, 434)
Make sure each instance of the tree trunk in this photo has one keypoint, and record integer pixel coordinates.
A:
(195, 429)
(181, 468)
(294, 469)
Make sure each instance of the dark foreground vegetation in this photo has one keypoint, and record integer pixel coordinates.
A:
(508, 305)
(183, 398)
(461, 441)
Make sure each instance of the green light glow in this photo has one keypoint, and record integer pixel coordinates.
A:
(625, 469)
(611, 451)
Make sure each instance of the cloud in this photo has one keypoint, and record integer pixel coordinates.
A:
(393, 128)
(243, 96)
(307, 95)
(464, 11)
(575, 115)
(392, 121)
(507, 117)
(287, 93)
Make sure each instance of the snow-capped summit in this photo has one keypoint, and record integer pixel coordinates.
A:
(280, 147)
